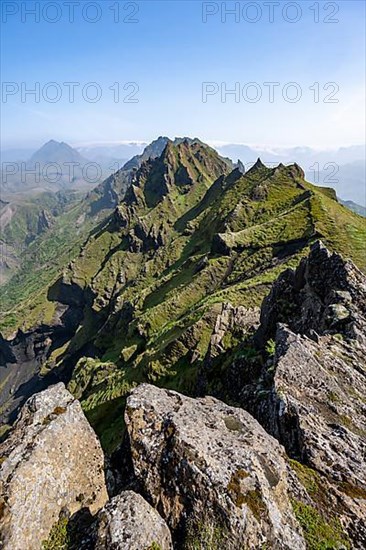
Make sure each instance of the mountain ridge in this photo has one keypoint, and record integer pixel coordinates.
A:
(140, 300)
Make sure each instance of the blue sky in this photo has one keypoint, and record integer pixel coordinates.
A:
(169, 53)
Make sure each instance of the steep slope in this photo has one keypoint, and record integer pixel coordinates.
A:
(189, 235)
(24, 297)
(212, 475)
(24, 218)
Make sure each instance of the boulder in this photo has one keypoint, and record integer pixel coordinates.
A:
(212, 472)
(52, 462)
(128, 521)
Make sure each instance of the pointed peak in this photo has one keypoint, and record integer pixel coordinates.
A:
(257, 166)
(240, 166)
(51, 144)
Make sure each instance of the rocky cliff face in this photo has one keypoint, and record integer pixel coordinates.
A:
(324, 295)
(51, 462)
(22, 359)
(315, 382)
(305, 380)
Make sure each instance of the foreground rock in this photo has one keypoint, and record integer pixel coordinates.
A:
(316, 408)
(51, 462)
(128, 521)
(211, 471)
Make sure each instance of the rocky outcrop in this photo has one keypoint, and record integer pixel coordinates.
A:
(311, 397)
(52, 462)
(211, 471)
(230, 318)
(324, 295)
(143, 238)
(44, 221)
(317, 317)
(310, 391)
(232, 324)
(240, 166)
(128, 521)
(316, 405)
(67, 292)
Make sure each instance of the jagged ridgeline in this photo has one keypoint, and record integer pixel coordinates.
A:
(141, 300)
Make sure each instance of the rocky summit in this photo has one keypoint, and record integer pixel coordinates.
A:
(210, 331)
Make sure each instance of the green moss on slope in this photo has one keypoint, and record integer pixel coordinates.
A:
(319, 534)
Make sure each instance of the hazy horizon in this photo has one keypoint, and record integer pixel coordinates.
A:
(36, 144)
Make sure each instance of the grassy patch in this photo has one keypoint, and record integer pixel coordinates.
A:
(59, 538)
(309, 478)
(205, 534)
(319, 534)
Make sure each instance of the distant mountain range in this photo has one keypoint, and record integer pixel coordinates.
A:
(302, 155)
(343, 169)
(29, 213)
(361, 210)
